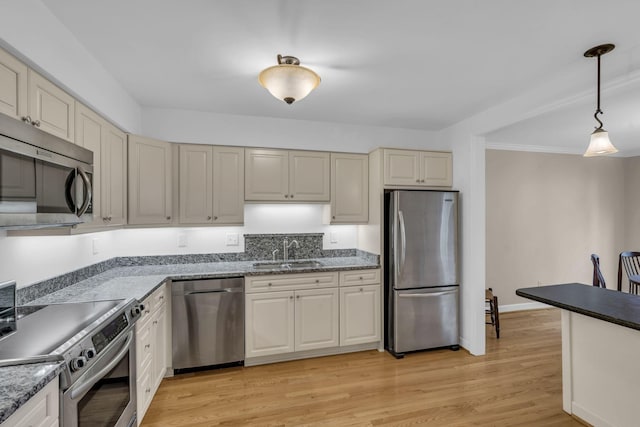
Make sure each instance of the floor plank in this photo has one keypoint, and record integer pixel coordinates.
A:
(517, 383)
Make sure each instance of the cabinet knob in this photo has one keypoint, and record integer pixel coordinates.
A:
(147, 346)
(208, 218)
(417, 180)
(422, 180)
(297, 296)
(155, 322)
(168, 218)
(148, 390)
(215, 218)
(291, 196)
(161, 297)
(26, 119)
(333, 217)
(317, 280)
(360, 277)
(268, 284)
(291, 297)
(286, 196)
(147, 311)
(36, 123)
(361, 289)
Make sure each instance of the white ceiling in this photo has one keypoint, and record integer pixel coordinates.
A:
(402, 63)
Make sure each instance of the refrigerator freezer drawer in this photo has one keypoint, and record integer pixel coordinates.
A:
(425, 318)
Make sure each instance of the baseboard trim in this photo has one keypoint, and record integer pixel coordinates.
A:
(523, 306)
(285, 357)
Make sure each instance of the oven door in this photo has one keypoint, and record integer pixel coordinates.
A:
(105, 395)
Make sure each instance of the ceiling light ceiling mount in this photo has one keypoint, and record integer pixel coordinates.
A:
(600, 144)
(289, 81)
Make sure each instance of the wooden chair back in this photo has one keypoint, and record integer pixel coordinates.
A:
(598, 278)
(630, 261)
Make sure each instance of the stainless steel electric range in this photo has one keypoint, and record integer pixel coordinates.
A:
(96, 343)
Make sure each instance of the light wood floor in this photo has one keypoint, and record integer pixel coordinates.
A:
(517, 383)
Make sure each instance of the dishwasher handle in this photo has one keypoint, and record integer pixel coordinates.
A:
(214, 291)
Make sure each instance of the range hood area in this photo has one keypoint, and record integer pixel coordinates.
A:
(45, 181)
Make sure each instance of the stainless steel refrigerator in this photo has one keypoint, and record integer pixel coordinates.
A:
(421, 270)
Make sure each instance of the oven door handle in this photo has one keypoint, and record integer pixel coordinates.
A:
(86, 385)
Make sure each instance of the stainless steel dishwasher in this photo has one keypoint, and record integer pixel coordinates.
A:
(208, 322)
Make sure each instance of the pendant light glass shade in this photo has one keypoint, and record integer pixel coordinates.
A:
(600, 144)
(288, 80)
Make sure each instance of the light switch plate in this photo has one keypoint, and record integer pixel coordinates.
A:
(182, 240)
(333, 237)
(232, 239)
(95, 243)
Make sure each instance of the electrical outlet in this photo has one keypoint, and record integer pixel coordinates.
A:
(95, 243)
(333, 237)
(182, 240)
(232, 239)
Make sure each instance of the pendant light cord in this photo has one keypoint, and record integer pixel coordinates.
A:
(598, 110)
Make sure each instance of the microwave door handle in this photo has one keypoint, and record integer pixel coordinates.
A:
(68, 195)
(87, 186)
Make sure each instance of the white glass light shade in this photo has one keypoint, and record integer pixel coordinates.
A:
(600, 144)
(289, 82)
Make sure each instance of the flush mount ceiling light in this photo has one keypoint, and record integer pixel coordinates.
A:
(288, 80)
(599, 144)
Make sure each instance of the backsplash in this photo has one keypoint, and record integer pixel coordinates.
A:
(257, 247)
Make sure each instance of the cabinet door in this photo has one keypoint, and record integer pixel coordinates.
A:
(309, 173)
(269, 323)
(89, 134)
(50, 107)
(41, 410)
(150, 183)
(196, 184)
(316, 319)
(114, 176)
(349, 188)
(13, 86)
(228, 185)
(159, 345)
(436, 169)
(359, 314)
(266, 175)
(401, 167)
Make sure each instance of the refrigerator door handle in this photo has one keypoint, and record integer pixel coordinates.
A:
(403, 242)
(426, 294)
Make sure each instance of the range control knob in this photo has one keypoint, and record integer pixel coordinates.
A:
(137, 309)
(88, 353)
(77, 363)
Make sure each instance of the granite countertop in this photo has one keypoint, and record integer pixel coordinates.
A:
(604, 304)
(140, 281)
(20, 383)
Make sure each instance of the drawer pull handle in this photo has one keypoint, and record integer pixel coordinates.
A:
(317, 280)
(147, 346)
(148, 390)
(361, 289)
(155, 322)
(162, 296)
(269, 284)
(360, 277)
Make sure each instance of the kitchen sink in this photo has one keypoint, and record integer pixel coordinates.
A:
(286, 265)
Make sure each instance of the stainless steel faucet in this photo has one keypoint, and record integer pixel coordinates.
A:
(286, 246)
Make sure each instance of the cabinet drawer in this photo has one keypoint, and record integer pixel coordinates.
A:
(143, 346)
(144, 392)
(359, 277)
(153, 301)
(282, 282)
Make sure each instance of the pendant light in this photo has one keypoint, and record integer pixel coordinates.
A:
(288, 80)
(600, 144)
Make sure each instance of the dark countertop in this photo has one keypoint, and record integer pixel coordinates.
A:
(604, 304)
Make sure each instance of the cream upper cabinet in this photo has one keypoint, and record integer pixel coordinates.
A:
(109, 147)
(89, 134)
(50, 108)
(417, 168)
(196, 184)
(13, 86)
(114, 176)
(309, 176)
(150, 181)
(211, 184)
(349, 188)
(228, 185)
(280, 175)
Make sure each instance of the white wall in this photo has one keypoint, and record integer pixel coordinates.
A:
(31, 259)
(29, 30)
(223, 129)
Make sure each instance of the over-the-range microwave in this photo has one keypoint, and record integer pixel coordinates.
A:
(45, 181)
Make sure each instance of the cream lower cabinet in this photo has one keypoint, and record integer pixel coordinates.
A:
(292, 176)
(151, 349)
(417, 168)
(42, 410)
(360, 308)
(291, 312)
(150, 181)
